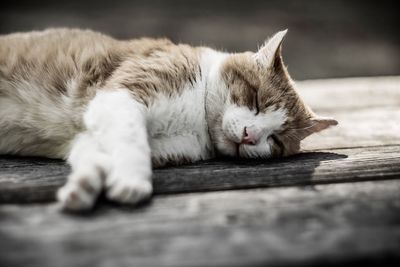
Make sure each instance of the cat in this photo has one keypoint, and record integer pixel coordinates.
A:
(113, 109)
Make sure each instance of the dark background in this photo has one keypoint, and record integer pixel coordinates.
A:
(325, 39)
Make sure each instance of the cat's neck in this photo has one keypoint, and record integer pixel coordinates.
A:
(215, 89)
(210, 63)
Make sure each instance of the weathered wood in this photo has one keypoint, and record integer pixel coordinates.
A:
(322, 225)
(368, 111)
(360, 128)
(351, 94)
(24, 180)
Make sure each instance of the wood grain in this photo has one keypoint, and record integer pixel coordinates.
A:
(25, 180)
(323, 225)
(351, 94)
(360, 128)
(368, 111)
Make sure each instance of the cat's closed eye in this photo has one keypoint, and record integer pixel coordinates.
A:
(257, 106)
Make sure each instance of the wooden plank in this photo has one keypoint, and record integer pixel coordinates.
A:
(364, 127)
(298, 226)
(25, 180)
(367, 110)
(351, 94)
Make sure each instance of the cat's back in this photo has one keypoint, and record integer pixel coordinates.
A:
(41, 44)
(45, 78)
(54, 57)
(48, 77)
(46, 41)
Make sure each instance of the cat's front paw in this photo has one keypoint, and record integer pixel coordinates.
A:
(79, 193)
(128, 190)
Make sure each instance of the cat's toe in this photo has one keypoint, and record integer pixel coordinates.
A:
(78, 194)
(129, 191)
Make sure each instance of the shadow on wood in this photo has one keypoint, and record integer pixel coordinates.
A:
(27, 180)
(234, 173)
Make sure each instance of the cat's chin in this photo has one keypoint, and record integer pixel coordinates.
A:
(232, 149)
(228, 148)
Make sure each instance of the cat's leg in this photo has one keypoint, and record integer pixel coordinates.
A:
(118, 123)
(90, 165)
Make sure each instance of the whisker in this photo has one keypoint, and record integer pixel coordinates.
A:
(305, 128)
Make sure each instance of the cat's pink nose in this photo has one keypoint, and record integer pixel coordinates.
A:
(249, 138)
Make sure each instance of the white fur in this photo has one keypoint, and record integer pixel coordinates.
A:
(216, 99)
(119, 123)
(89, 165)
(116, 127)
(177, 126)
(262, 125)
(217, 92)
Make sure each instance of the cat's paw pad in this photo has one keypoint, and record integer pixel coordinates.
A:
(129, 191)
(78, 194)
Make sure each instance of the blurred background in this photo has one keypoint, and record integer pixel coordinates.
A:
(326, 38)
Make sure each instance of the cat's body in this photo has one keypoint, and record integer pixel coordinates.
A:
(48, 78)
(111, 107)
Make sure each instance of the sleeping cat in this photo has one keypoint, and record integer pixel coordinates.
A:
(113, 109)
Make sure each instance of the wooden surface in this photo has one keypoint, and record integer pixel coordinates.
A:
(322, 225)
(337, 203)
(25, 181)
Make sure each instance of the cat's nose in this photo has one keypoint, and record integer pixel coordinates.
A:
(249, 137)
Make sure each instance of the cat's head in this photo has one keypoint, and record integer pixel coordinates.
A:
(261, 115)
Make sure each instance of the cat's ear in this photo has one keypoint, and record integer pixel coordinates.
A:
(317, 124)
(271, 50)
(321, 123)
